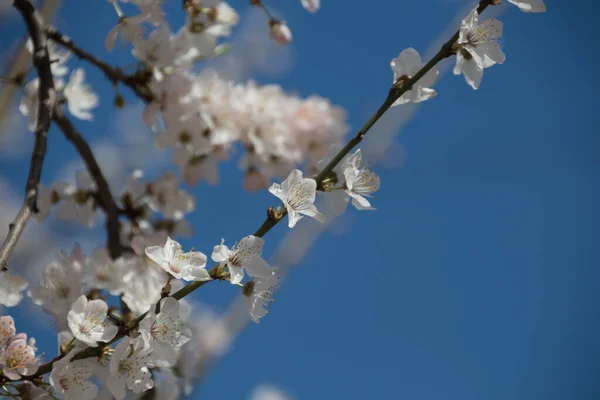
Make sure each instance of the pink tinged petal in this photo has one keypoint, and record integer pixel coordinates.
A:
(11, 374)
(156, 254)
(237, 274)
(171, 249)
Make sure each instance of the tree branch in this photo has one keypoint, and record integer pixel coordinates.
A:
(114, 74)
(104, 195)
(395, 93)
(46, 103)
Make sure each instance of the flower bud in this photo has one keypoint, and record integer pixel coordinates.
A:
(119, 101)
(281, 32)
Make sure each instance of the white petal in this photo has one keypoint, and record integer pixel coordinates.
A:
(259, 268)
(237, 274)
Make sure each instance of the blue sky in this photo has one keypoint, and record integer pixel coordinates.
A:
(477, 276)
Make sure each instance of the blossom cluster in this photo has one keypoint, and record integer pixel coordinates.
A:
(129, 311)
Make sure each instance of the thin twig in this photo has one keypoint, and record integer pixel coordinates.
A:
(46, 103)
(114, 74)
(103, 193)
(270, 222)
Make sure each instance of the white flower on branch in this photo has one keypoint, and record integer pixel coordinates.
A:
(311, 5)
(360, 183)
(166, 197)
(80, 96)
(61, 286)
(58, 57)
(105, 273)
(129, 367)
(281, 32)
(247, 254)
(188, 266)
(19, 358)
(142, 285)
(298, 195)
(77, 202)
(7, 330)
(165, 331)
(535, 6)
(11, 288)
(477, 47)
(87, 320)
(196, 166)
(71, 378)
(259, 294)
(128, 28)
(405, 66)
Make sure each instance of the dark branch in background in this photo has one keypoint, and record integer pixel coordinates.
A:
(47, 99)
(136, 82)
(103, 194)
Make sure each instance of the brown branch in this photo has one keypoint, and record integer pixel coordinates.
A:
(103, 193)
(136, 82)
(46, 103)
(395, 93)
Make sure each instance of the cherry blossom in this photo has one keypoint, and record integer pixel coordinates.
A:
(11, 288)
(360, 181)
(71, 378)
(105, 273)
(259, 294)
(18, 358)
(87, 320)
(129, 367)
(76, 202)
(7, 330)
(298, 195)
(405, 66)
(243, 255)
(311, 5)
(129, 28)
(164, 331)
(80, 96)
(281, 32)
(187, 266)
(58, 57)
(61, 285)
(535, 6)
(477, 47)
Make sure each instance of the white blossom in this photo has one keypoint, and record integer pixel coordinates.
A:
(7, 330)
(477, 47)
(405, 66)
(164, 331)
(76, 202)
(188, 266)
(142, 285)
(71, 378)
(129, 28)
(360, 181)
(298, 195)
(87, 320)
(18, 359)
(311, 5)
(58, 57)
(281, 32)
(247, 254)
(259, 294)
(61, 285)
(105, 273)
(11, 288)
(536, 6)
(129, 367)
(80, 96)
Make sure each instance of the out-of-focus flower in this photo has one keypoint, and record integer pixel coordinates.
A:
(11, 288)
